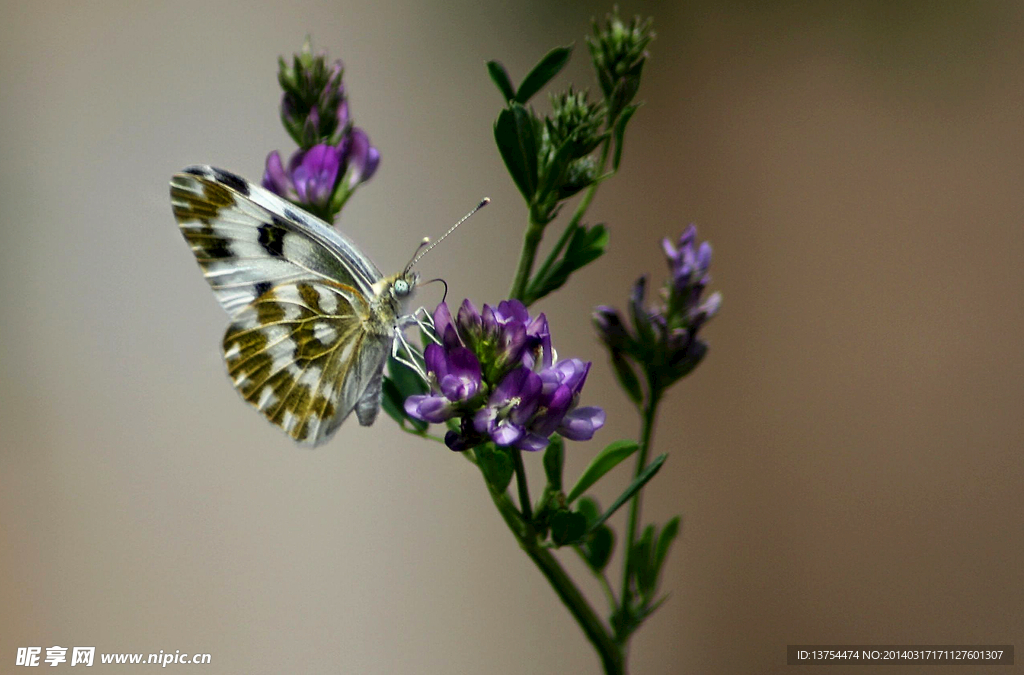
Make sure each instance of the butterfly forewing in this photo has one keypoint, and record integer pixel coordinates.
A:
(247, 239)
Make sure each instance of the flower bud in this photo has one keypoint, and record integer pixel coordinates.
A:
(619, 51)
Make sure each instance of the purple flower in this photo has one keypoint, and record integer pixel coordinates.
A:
(641, 316)
(455, 379)
(562, 384)
(361, 160)
(444, 327)
(310, 178)
(538, 352)
(276, 179)
(580, 424)
(314, 173)
(688, 265)
(510, 407)
(458, 372)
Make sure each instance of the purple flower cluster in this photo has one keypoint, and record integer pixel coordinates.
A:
(689, 265)
(494, 369)
(333, 156)
(665, 339)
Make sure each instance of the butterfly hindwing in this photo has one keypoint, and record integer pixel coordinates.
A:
(247, 239)
(301, 355)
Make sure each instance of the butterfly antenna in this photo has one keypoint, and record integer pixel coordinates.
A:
(421, 251)
(443, 282)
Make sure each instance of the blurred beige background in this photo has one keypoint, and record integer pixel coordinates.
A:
(847, 461)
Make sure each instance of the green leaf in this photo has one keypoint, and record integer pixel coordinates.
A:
(649, 609)
(554, 169)
(543, 72)
(579, 174)
(515, 135)
(620, 133)
(625, 91)
(627, 377)
(641, 562)
(589, 507)
(500, 77)
(283, 77)
(554, 460)
(405, 378)
(634, 487)
(668, 534)
(585, 245)
(391, 402)
(496, 465)
(605, 461)
(567, 526)
(597, 549)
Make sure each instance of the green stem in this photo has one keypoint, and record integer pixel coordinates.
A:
(552, 258)
(524, 490)
(534, 233)
(601, 577)
(588, 196)
(608, 650)
(650, 413)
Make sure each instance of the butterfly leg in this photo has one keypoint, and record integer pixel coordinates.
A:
(411, 359)
(424, 323)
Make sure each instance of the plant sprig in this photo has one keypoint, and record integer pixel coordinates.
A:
(491, 378)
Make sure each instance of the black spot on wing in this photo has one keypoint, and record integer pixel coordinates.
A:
(261, 287)
(233, 181)
(206, 245)
(272, 239)
(195, 171)
(215, 248)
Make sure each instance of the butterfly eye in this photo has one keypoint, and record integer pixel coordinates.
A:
(401, 287)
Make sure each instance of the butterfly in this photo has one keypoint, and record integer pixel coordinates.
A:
(313, 320)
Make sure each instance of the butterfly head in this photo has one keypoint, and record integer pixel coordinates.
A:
(393, 294)
(402, 285)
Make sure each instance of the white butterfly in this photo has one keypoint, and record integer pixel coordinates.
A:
(312, 319)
